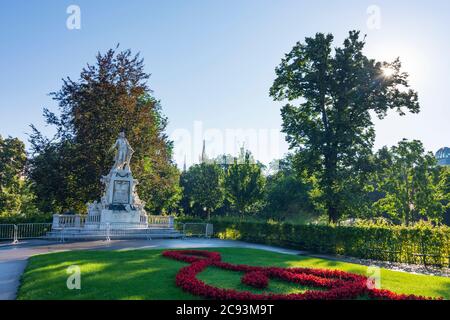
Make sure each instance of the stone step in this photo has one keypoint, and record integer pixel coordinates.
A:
(101, 235)
(130, 231)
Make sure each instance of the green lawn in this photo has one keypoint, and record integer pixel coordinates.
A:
(145, 274)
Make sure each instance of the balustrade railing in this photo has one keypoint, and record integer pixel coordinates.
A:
(61, 221)
(69, 221)
(93, 219)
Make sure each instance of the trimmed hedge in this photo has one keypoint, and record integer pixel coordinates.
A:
(421, 244)
(40, 218)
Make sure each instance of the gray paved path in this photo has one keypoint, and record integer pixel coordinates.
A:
(13, 258)
(10, 273)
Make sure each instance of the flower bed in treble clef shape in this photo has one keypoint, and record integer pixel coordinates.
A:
(333, 284)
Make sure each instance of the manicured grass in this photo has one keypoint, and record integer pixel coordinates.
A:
(145, 274)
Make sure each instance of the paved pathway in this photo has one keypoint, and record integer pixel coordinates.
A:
(13, 258)
(10, 273)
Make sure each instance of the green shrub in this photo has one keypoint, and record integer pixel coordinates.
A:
(420, 244)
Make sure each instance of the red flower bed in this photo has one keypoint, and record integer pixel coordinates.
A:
(255, 279)
(338, 284)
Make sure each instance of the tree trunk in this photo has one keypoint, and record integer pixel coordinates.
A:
(330, 179)
(333, 215)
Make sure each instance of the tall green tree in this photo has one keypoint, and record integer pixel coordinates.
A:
(444, 192)
(111, 95)
(244, 184)
(16, 197)
(331, 94)
(203, 188)
(409, 179)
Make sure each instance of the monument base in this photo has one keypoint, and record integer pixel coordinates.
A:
(119, 207)
(123, 219)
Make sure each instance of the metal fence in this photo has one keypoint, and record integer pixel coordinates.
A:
(197, 230)
(104, 231)
(7, 231)
(33, 230)
(16, 232)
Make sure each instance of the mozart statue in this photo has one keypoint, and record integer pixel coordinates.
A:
(119, 206)
(123, 154)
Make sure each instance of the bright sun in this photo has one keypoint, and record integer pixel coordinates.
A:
(388, 72)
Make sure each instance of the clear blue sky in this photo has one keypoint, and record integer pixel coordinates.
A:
(213, 60)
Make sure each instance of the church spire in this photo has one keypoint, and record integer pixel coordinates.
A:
(203, 156)
(184, 164)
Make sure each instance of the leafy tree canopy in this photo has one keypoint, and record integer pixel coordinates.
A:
(289, 194)
(244, 184)
(411, 183)
(331, 94)
(203, 188)
(110, 95)
(16, 198)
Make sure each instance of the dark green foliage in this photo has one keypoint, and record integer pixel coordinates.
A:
(16, 197)
(444, 192)
(53, 171)
(111, 95)
(289, 195)
(39, 217)
(244, 185)
(409, 180)
(203, 189)
(327, 120)
(234, 184)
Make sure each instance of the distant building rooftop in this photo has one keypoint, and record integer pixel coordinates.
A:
(443, 156)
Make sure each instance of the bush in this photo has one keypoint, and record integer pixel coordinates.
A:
(420, 244)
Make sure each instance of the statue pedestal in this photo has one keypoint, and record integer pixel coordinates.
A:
(122, 219)
(120, 205)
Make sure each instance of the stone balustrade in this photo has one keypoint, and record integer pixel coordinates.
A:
(63, 221)
(93, 219)
(68, 221)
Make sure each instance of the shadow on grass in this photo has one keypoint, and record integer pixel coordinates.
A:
(104, 275)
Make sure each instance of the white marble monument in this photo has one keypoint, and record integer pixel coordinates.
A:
(120, 205)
